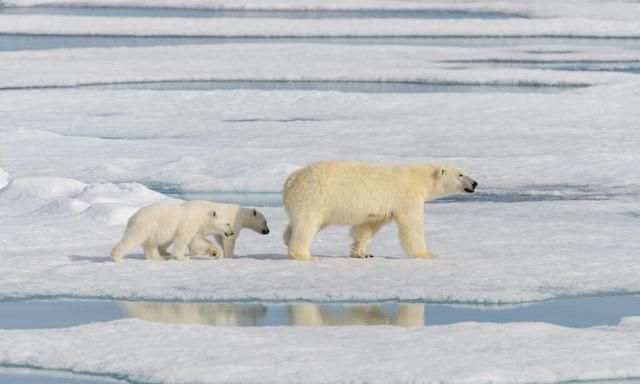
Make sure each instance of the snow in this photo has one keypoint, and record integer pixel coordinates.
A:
(571, 156)
(555, 216)
(463, 353)
(287, 62)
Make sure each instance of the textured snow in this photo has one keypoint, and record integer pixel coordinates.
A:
(287, 62)
(571, 156)
(461, 353)
(556, 213)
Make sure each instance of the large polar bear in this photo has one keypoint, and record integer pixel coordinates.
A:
(239, 218)
(160, 225)
(366, 197)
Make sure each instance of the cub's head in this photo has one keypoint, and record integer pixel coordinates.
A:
(219, 223)
(453, 180)
(257, 222)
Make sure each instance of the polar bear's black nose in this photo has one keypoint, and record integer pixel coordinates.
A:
(265, 231)
(475, 184)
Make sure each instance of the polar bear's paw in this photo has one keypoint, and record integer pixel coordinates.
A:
(361, 255)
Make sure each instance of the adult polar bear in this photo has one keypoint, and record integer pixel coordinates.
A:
(366, 197)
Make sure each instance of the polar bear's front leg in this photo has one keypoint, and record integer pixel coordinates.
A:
(411, 227)
(362, 235)
(228, 244)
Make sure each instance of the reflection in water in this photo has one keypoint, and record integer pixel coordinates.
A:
(306, 314)
(577, 312)
(409, 315)
(196, 313)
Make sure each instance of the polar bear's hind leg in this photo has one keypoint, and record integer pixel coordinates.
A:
(300, 242)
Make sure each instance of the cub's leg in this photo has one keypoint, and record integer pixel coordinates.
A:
(201, 246)
(151, 252)
(132, 238)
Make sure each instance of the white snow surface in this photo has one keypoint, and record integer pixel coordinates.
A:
(580, 147)
(462, 353)
(294, 62)
(557, 212)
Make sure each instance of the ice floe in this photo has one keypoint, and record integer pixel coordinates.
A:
(139, 351)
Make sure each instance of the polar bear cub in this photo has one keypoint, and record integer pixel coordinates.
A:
(239, 217)
(366, 197)
(158, 226)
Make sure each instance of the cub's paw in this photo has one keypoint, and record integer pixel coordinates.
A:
(426, 255)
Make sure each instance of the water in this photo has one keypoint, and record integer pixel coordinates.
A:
(569, 312)
(256, 13)
(21, 42)
(627, 66)
(313, 85)
(31, 376)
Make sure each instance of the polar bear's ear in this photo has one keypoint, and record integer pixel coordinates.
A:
(255, 213)
(440, 172)
(213, 213)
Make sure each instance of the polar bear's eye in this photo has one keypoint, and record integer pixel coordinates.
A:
(460, 175)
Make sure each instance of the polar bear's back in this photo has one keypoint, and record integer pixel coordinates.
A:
(156, 222)
(346, 192)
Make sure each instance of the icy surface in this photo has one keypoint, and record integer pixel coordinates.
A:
(287, 62)
(556, 213)
(462, 353)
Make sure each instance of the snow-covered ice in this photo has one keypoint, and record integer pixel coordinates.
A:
(563, 147)
(556, 214)
(463, 353)
(291, 62)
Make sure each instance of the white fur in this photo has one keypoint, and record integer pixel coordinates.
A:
(157, 226)
(365, 197)
(239, 218)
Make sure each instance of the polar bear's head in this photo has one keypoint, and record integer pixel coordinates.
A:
(257, 222)
(219, 223)
(453, 180)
